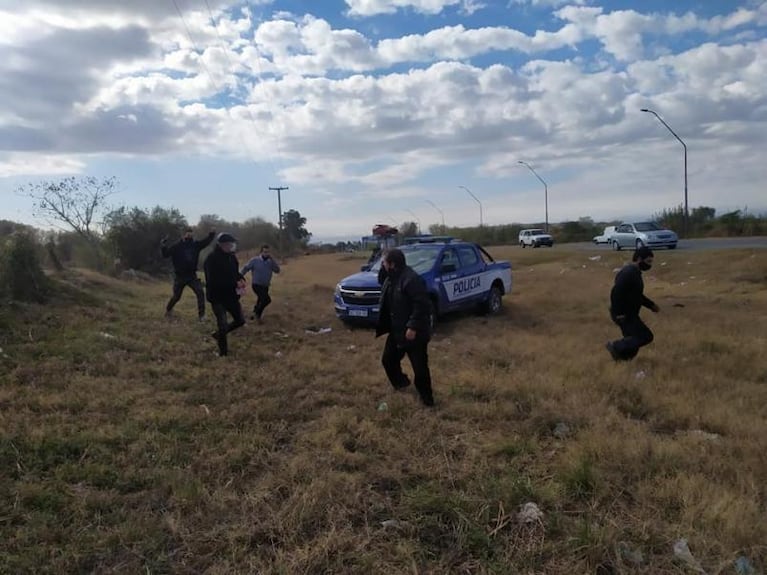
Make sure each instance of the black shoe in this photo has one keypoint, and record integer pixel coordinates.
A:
(611, 348)
(404, 384)
(427, 401)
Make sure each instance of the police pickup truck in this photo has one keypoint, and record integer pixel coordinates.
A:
(459, 275)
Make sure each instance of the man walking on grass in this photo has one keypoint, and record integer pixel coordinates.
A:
(626, 299)
(222, 281)
(405, 316)
(261, 267)
(185, 255)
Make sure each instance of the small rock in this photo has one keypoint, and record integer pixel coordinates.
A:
(394, 524)
(629, 555)
(707, 435)
(278, 354)
(743, 566)
(616, 270)
(663, 264)
(561, 430)
(529, 513)
(683, 553)
(595, 258)
(106, 335)
(641, 374)
(383, 406)
(351, 348)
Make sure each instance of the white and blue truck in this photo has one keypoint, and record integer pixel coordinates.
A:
(459, 275)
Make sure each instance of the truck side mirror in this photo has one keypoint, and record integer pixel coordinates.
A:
(365, 268)
(447, 268)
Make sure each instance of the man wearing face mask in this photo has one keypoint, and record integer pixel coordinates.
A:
(626, 299)
(222, 283)
(185, 254)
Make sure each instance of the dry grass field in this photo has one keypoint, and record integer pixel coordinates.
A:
(127, 446)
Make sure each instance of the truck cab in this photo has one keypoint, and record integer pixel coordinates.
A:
(458, 275)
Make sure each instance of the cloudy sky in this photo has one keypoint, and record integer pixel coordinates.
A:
(366, 109)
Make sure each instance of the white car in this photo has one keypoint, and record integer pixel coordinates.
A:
(606, 237)
(535, 238)
(640, 234)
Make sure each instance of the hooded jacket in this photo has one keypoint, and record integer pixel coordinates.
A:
(222, 272)
(185, 254)
(404, 305)
(627, 296)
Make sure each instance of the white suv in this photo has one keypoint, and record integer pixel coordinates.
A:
(535, 237)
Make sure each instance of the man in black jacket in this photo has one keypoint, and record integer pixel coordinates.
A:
(626, 299)
(185, 255)
(222, 282)
(405, 314)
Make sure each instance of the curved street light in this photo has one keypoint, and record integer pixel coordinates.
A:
(418, 221)
(686, 211)
(477, 200)
(545, 191)
(441, 213)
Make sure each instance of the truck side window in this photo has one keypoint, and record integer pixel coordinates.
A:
(449, 258)
(468, 256)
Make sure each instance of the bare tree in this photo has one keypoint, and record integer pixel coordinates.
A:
(75, 202)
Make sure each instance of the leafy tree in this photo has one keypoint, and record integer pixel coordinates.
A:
(135, 234)
(294, 225)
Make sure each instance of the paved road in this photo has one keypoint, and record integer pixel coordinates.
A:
(694, 244)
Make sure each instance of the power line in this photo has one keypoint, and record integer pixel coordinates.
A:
(232, 66)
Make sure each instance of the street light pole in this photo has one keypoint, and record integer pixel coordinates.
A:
(545, 191)
(686, 210)
(477, 200)
(279, 189)
(441, 213)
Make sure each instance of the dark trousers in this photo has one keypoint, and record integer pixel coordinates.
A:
(220, 310)
(262, 293)
(419, 358)
(635, 335)
(179, 283)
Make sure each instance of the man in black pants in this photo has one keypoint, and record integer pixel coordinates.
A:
(185, 255)
(626, 299)
(261, 267)
(222, 281)
(405, 316)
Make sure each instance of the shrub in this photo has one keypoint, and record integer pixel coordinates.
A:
(21, 274)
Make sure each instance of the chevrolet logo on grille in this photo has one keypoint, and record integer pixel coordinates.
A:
(360, 293)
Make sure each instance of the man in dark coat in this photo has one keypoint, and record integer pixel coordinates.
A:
(185, 255)
(626, 299)
(222, 282)
(405, 315)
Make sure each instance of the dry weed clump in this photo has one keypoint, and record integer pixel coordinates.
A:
(128, 446)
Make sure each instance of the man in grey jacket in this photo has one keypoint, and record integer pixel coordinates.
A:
(261, 267)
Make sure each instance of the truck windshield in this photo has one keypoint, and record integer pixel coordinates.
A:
(419, 257)
(646, 227)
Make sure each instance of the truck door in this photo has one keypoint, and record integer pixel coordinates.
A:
(447, 271)
(472, 276)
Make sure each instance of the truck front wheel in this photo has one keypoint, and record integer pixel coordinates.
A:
(494, 302)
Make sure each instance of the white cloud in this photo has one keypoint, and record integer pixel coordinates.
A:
(375, 7)
(23, 164)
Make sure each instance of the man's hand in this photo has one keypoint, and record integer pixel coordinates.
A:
(410, 334)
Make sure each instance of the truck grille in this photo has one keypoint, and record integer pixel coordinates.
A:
(362, 296)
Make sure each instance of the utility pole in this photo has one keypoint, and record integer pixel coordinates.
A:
(279, 189)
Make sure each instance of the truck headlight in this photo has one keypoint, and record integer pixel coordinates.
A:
(338, 290)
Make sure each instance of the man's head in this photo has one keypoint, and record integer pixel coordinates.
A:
(393, 260)
(643, 258)
(188, 232)
(226, 242)
(265, 251)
